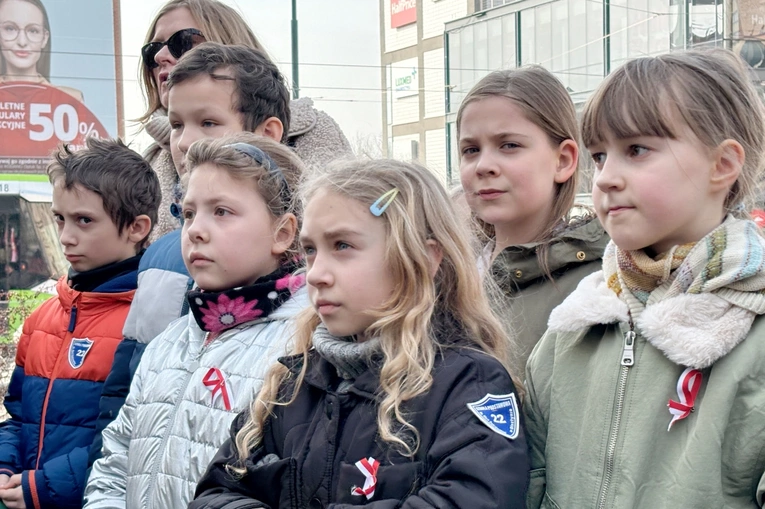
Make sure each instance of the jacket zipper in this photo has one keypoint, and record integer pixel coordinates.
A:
(44, 413)
(165, 436)
(627, 361)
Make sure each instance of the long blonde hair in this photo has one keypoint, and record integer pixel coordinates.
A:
(218, 23)
(425, 313)
(545, 102)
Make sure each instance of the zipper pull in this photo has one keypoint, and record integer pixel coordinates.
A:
(72, 318)
(628, 353)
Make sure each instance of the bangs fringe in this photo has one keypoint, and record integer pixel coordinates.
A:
(635, 100)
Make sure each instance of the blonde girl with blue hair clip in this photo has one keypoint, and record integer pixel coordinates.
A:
(397, 392)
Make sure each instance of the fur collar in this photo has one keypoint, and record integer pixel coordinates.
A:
(693, 330)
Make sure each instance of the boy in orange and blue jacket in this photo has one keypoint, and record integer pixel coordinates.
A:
(105, 201)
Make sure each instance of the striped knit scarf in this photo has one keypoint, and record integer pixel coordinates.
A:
(729, 262)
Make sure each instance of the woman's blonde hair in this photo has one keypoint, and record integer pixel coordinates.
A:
(545, 102)
(218, 23)
(708, 91)
(277, 186)
(425, 313)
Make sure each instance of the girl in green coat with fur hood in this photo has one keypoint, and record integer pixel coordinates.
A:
(647, 390)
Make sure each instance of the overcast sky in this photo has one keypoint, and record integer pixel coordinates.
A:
(341, 36)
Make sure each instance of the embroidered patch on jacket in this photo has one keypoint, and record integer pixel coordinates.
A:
(499, 413)
(78, 349)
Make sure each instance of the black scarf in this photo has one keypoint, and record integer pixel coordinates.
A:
(220, 311)
(108, 278)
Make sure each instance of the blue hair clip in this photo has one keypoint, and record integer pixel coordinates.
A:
(266, 162)
(382, 203)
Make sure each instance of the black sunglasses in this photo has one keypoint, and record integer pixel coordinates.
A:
(178, 44)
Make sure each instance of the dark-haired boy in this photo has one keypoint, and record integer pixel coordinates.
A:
(105, 201)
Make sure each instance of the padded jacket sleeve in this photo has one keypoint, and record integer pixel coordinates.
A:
(59, 483)
(10, 430)
(218, 489)
(107, 484)
(113, 395)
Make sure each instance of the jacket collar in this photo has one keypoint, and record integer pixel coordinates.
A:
(578, 243)
(322, 375)
(693, 330)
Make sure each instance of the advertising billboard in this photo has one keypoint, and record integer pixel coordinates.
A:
(402, 12)
(59, 78)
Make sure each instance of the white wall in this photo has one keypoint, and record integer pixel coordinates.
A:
(402, 147)
(433, 63)
(437, 12)
(435, 152)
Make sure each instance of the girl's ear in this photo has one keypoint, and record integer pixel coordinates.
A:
(284, 234)
(568, 160)
(728, 162)
(139, 229)
(436, 254)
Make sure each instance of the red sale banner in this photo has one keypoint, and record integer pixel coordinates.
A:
(34, 119)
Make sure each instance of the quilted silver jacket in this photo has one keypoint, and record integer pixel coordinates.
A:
(172, 424)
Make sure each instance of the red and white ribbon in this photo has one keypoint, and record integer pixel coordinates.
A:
(369, 468)
(215, 381)
(687, 389)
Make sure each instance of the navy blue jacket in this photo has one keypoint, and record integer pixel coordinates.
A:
(62, 361)
(310, 448)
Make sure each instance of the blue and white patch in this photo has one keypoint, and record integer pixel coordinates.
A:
(499, 413)
(78, 350)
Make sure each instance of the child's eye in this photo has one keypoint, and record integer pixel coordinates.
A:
(469, 150)
(341, 246)
(637, 150)
(187, 215)
(308, 251)
(221, 212)
(84, 220)
(175, 126)
(510, 145)
(599, 158)
(209, 123)
(58, 218)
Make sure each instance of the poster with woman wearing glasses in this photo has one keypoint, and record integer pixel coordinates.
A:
(58, 81)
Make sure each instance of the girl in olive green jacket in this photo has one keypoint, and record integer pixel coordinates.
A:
(517, 133)
(647, 390)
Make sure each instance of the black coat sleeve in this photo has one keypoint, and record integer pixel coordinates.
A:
(260, 487)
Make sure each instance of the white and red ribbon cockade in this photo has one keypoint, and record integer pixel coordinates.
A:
(368, 467)
(215, 381)
(687, 389)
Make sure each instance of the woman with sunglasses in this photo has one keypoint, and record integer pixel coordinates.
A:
(178, 27)
(25, 44)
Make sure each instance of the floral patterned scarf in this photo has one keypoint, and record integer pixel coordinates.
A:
(216, 312)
